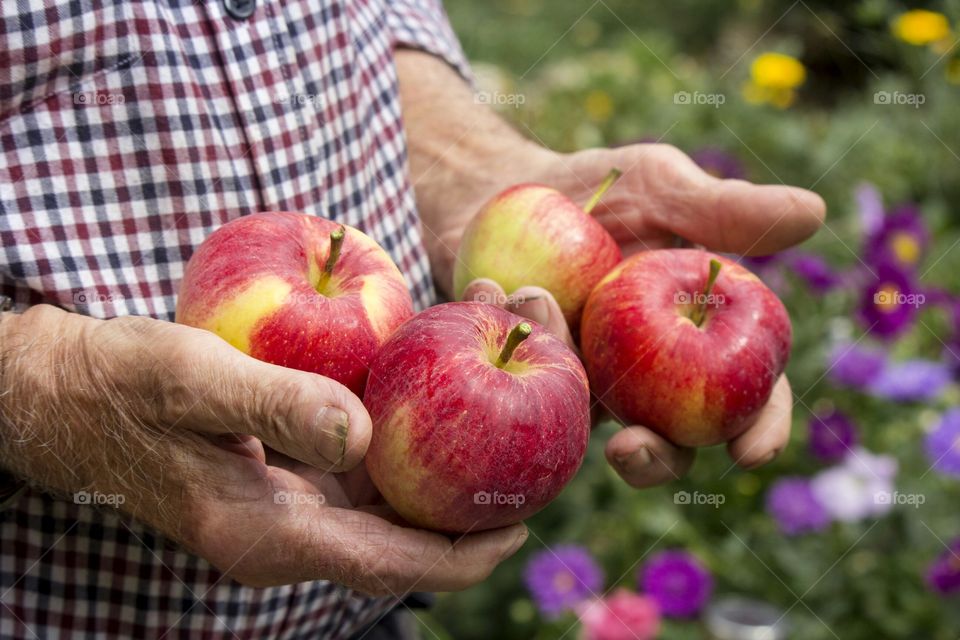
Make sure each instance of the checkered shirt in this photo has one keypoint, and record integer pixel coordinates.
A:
(130, 130)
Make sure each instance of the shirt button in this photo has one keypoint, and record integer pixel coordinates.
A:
(240, 9)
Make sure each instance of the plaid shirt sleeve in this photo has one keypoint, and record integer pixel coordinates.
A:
(423, 24)
(129, 131)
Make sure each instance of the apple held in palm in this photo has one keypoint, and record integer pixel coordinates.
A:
(686, 343)
(298, 291)
(531, 234)
(479, 418)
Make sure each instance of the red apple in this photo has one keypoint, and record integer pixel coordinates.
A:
(298, 291)
(479, 418)
(686, 343)
(531, 234)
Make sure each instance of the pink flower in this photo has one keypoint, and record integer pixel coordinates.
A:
(621, 616)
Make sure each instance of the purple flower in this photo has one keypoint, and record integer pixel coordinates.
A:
(791, 502)
(951, 353)
(860, 487)
(870, 208)
(951, 350)
(943, 576)
(761, 261)
(561, 578)
(679, 583)
(940, 297)
(768, 268)
(814, 270)
(855, 365)
(832, 436)
(719, 163)
(901, 239)
(942, 445)
(911, 380)
(890, 301)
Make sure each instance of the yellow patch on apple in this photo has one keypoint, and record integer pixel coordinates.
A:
(372, 294)
(235, 319)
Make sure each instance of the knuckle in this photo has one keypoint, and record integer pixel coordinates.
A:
(169, 374)
(120, 358)
(271, 405)
(182, 367)
(41, 315)
(370, 561)
(668, 159)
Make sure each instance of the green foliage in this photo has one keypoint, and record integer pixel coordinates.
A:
(607, 73)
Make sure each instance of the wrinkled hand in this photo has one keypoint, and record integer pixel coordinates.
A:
(663, 195)
(175, 420)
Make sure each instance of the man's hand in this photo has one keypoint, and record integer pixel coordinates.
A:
(175, 421)
(662, 197)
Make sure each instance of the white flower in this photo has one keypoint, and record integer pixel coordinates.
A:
(861, 487)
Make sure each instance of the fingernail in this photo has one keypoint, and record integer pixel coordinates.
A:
(633, 462)
(535, 309)
(764, 460)
(334, 424)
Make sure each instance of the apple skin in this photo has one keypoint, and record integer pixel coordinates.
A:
(253, 282)
(531, 234)
(651, 365)
(448, 424)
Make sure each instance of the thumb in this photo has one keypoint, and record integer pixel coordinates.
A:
(723, 215)
(740, 217)
(534, 303)
(213, 388)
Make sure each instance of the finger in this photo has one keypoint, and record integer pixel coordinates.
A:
(363, 551)
(769, 435)
(484, 290)
(644, 459)
(725, 215)
(752, 219)
(379, 557)
(537, 304)
(207, 385)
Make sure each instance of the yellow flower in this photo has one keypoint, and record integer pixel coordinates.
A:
(777, 71)
(780, 98)
(599, 105)
(921, 27)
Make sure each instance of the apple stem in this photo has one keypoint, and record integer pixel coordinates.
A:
(517, 335)
(336, 243)
(700, 313)
(612, 177)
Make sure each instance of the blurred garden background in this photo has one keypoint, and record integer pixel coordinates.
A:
(854, 532)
